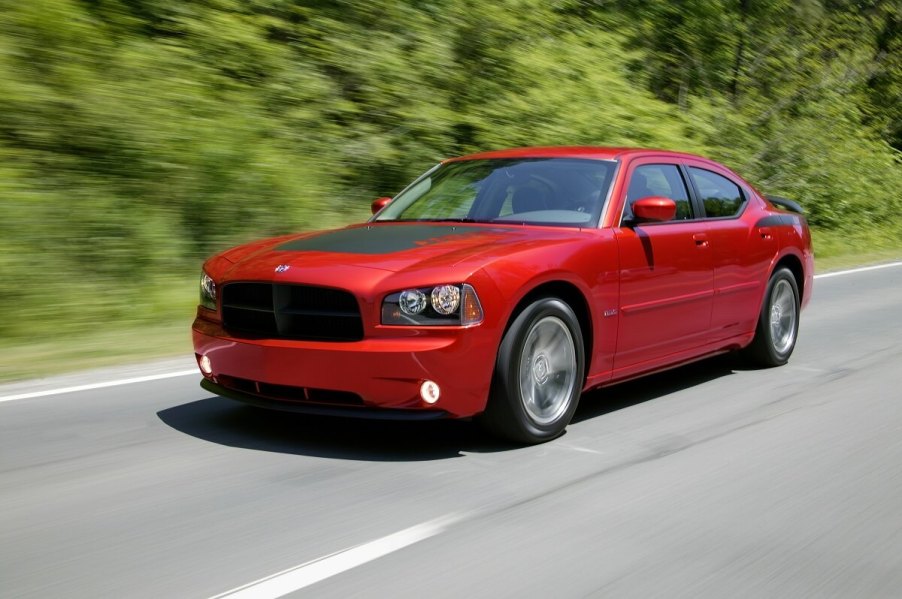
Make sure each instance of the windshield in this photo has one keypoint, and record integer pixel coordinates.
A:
(544, 191)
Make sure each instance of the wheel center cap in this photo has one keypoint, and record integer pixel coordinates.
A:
(540, 369)
(776, 313)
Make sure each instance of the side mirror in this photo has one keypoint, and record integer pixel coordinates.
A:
(379, 203)
(654, 209)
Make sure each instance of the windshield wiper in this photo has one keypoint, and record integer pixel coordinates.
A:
(433, 220)
(453, 220)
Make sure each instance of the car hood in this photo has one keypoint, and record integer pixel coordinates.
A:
(362, 251)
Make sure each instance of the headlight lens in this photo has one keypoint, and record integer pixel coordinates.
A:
(207, 292)
(446, 299)
(412, 302)
(449, 305)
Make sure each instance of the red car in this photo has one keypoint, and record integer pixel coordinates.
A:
(502, 285)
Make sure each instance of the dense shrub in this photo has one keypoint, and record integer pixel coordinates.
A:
(137, 137)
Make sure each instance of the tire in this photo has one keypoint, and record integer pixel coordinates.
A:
(539, 374)
(778, 323)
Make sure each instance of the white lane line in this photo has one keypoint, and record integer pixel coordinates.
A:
(304, 575)
(839, 273)
(88, 387)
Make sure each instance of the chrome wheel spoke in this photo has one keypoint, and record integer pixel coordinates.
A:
(547, 370)
(560, 359)
(783, 315)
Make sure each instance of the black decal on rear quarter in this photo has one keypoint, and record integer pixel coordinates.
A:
(774, 220)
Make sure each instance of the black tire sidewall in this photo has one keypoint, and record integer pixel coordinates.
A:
(764, 336)
(517, 423)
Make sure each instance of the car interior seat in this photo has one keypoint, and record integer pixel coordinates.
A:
(527, 199)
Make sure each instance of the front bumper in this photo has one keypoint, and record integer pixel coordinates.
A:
(318, 409)
(383, 372)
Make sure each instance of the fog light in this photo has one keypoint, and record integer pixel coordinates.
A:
(430, 392)
(205, 365)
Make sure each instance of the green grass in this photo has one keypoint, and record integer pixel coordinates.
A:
(167, 315)
(837, 250)
(146, 324)
(110, 345)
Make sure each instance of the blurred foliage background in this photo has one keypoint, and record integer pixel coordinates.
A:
(139, 136)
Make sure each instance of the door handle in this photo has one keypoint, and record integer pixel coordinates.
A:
(766, 232)
(701, 240)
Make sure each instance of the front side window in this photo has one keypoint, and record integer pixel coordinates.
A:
(658, 180)
(720, 196)
(542, 191)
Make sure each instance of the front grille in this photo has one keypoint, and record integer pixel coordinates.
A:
(281, 311)
(293, 394)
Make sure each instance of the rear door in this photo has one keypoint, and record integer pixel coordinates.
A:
(741, 250)
(666, 276)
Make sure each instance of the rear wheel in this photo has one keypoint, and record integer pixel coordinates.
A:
(538, 374)
(778, 323)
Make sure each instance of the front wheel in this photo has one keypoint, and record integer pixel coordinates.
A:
(778, 323)
(538, 374)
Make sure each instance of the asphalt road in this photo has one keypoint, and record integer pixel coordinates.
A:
(711, 480)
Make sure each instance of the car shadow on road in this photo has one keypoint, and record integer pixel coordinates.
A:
(625, 395)
(225, 422)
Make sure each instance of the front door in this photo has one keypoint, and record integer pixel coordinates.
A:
(666, 274)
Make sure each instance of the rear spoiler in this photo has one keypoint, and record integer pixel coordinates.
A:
(785, 204)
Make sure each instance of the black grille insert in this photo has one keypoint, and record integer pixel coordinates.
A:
(282, 311)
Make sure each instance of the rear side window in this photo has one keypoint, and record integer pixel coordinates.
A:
(720, 196)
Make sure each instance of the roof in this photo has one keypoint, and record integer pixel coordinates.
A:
(591, 152)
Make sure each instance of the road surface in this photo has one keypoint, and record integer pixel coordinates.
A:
(711, 480)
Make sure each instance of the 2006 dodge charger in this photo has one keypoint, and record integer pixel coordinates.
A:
(502, 285)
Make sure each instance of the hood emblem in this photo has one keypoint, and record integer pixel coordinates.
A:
(282, 268)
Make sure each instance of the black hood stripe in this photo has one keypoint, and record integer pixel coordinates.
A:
(380, 239)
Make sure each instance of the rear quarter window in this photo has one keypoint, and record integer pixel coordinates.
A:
(720, 196)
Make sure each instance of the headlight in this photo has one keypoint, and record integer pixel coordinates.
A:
(412, 302)
(446, 299)
(433, 306)
(207, 291)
